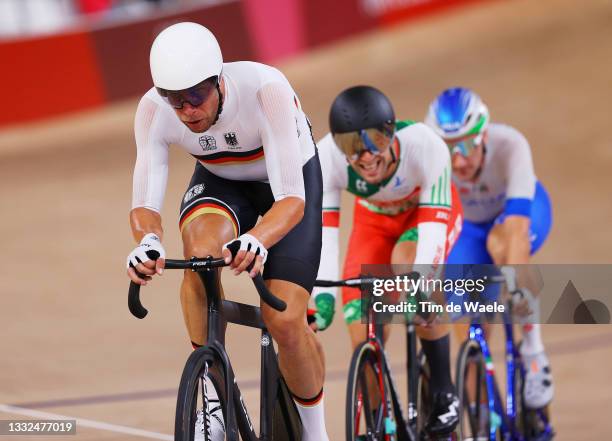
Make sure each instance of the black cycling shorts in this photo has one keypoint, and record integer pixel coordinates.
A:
(295, 257)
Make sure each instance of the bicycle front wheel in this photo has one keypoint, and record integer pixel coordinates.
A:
(369, 412)
(424, 405)
(201, 407)
(475, 418)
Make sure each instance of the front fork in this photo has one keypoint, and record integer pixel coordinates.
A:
(496, 413)
(412, 367)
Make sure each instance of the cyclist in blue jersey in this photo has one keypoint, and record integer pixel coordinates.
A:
(507, 211)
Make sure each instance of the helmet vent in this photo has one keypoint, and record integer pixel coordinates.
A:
(347, 115)
(366, 112)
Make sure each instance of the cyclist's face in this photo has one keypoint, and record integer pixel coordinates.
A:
(464, 166)
(372, 167)
(200, 118)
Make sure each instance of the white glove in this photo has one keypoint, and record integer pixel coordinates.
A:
(150, 248)
(250, 243)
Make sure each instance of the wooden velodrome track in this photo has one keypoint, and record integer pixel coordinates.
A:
(68, 344)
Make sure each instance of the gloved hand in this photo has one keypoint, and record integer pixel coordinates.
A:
(250, 250)
(147, 259)
(524, 305)
(325, 309)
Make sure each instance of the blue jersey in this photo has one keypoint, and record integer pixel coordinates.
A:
(506, 186)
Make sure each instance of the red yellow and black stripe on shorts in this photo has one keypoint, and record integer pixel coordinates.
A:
(208, 205)
(232, 158)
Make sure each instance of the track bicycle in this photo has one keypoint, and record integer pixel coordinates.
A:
(484, 416)
(209, 367)
(381, 417)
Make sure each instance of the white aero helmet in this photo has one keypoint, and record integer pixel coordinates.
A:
(184, 55)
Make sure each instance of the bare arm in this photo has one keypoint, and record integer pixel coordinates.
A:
(516, 240)
(143, 221)
(518, 246)
(279, 220)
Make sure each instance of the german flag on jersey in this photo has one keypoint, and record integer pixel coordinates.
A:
(232, 158)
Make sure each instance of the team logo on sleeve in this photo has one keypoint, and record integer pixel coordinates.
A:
(208, 143)
(230, 139)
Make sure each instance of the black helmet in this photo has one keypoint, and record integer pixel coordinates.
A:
(362, 119)
(360, 107)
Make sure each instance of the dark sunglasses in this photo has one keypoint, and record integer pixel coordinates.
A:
(195, 95)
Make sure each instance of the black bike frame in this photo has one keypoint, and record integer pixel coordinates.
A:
(220, 313)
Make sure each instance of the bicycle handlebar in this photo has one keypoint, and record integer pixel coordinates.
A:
(509, 278)
(361, 281)
(205, 264)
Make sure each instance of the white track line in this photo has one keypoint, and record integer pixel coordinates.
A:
(84, 422)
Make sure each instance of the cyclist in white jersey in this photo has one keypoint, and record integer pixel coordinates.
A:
(406, 212)
(507, 210)
(255, 156)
